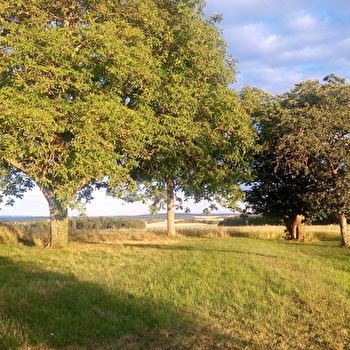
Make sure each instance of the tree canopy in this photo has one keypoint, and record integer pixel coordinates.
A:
(67, 72)
(105, 93)
(303, 168)
(198, 147)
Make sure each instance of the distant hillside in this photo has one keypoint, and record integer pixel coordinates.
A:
(22, 218)
(148, 218)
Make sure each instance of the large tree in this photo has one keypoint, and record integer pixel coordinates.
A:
(275, 191)
(318, 143)
(68, 70)
(303, 168)
(202, 136)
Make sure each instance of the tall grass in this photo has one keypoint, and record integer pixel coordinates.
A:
(313, 232)
(7, 235)
(209, 293)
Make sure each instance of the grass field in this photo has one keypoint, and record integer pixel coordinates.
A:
(189, 293)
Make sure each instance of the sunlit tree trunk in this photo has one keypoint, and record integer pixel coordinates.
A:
(170, 208)
(343, 223)
(298, 227)
(58, 221)
(295, 227)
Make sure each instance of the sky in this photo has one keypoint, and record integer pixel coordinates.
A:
(277, 43)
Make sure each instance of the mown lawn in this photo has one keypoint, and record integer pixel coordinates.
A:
(194, 293)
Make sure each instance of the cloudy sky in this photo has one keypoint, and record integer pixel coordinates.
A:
(277, 43)
(281, 42)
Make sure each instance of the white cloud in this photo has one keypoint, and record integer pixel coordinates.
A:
(304, 22)
(307, 54)
(278, 44)
(269, 78)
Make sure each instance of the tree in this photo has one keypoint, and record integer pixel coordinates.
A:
(306, 153)
(67, 72)
(323, 110)
(275, 191)
(202, 134)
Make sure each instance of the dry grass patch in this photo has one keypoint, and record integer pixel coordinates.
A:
(120, 236)
(11, 235)
(313, 232)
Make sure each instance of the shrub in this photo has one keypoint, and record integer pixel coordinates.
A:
(34, 227)
(105, 223)
(41, 228)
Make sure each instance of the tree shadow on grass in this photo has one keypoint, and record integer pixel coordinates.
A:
(41, 309)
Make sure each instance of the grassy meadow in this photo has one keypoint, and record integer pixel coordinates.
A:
(210, 288)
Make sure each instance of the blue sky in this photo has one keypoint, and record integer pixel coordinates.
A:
(277, 43)
(281, 42)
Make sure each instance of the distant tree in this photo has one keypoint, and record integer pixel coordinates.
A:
(305, 158)
(67, 72)
(199, 145)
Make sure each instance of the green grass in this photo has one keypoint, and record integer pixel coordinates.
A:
(207, 293)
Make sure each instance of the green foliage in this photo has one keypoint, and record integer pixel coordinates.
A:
(68, 67)
(76, 224)
(201, 134)
(275, 192)
(316, 140)
(13, 184)
(89, 90)
(39, 226)
(69, 75)
(105, 223)
(302, 165)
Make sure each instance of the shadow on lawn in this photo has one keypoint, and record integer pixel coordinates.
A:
(48, 310)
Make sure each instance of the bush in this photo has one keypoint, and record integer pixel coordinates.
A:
(42, 227)
(34, 227)
(105, 223)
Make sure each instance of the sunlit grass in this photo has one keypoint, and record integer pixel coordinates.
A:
(209, 293)
(118, 235)
(313, 232)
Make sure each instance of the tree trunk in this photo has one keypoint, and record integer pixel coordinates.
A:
(170, 209)
(344, 230)
(298, 227)
(295, 227)
(289, 224)
(58, 220)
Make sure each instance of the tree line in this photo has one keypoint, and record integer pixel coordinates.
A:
(133, 96)
(86, 223)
